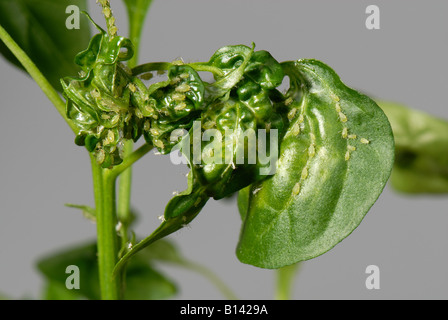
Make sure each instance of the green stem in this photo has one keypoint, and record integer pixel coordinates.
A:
(124, 196)
(38, 77)
(137, 12)
(104, 191)
(285, 279)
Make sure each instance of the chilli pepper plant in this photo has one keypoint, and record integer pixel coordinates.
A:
(307, 162)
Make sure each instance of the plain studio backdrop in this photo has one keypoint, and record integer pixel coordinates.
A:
(403, 61)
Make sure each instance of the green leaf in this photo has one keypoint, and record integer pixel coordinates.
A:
(421, 150)
(39, 27)
(335, 160)
(142, 281)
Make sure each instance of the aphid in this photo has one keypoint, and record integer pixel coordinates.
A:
(159, 144)
(183, 88)
(154, 132)
(113, 30)
(110, 136)
(105, 116)
(342, 117)
(305, 173)
(313, 137)
(288, 101)
(296, 189)
(184, 75)
(338, 107)
(127, 117)
(178, 96)
(292, 113)
(364, 141)
(344, 132)
(347, 155)
(352, 136)
(180, 106)
(174, 80)
(100, 156)
(301, 118)
(295, 129)
(138, 113)
(334, 97)
(132, 87)
(147, 125)
(118, 226)
(111, 21)
(149, 109)
(351, 148)
(311, 151)
(209, 124)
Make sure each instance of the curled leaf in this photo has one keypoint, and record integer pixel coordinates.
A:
(335, 159)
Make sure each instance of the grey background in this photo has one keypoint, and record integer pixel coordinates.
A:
(404, 61)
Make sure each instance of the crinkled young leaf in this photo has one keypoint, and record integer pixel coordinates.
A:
(335, 159)
(230, 160)
(421, 150)
(175, 104)
(232, 60)
(39, 29)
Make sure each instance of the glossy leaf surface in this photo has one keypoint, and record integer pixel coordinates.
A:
(39, 27)
(335, 159)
